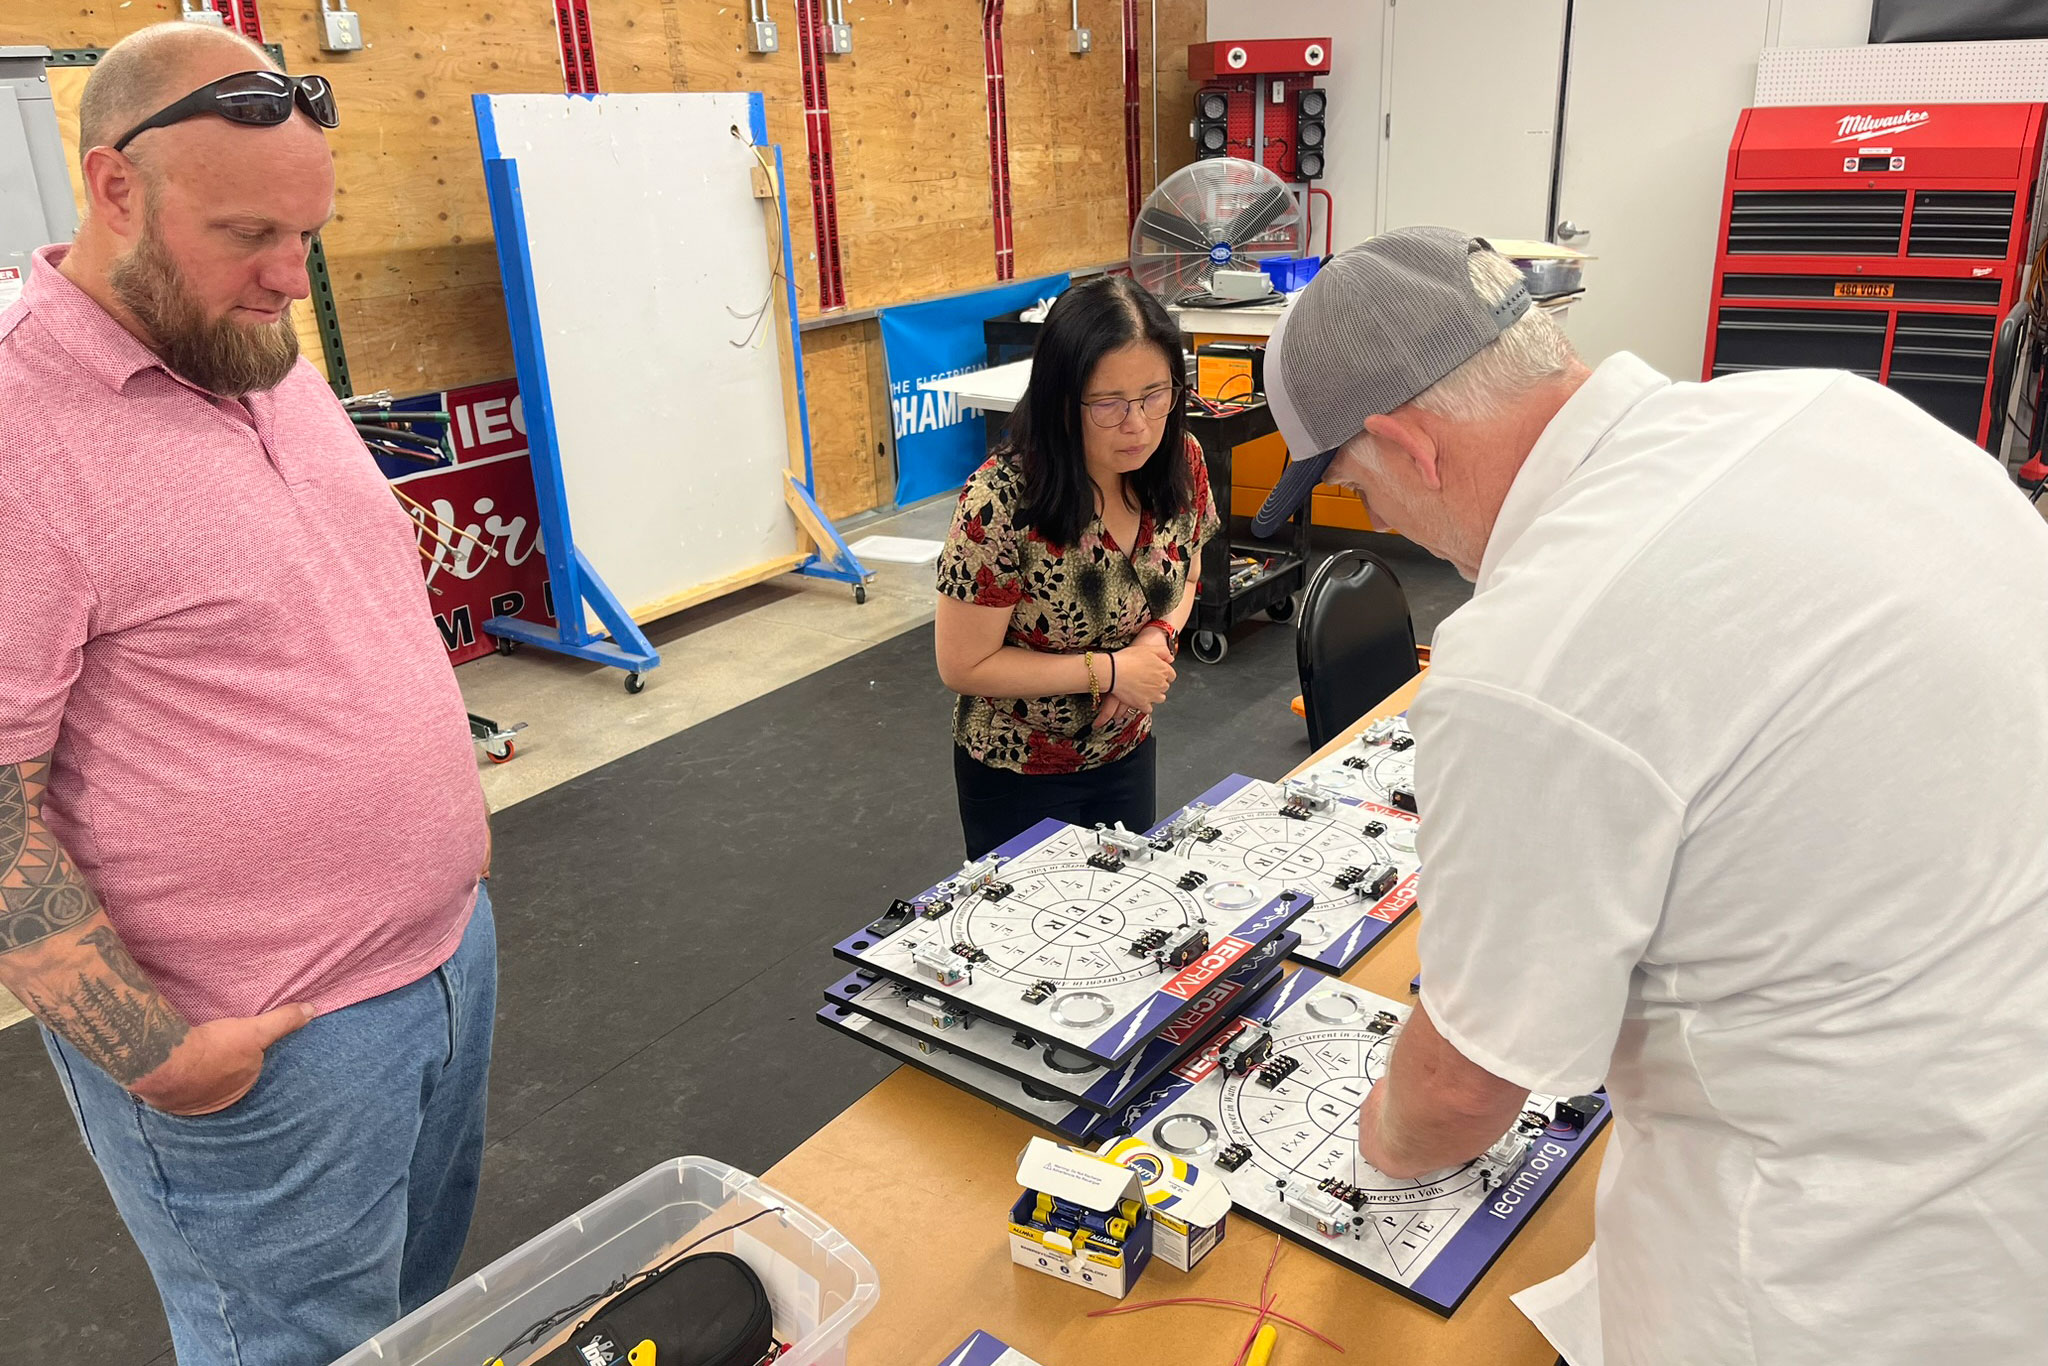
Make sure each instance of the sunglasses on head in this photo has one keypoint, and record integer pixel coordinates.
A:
(258, 99)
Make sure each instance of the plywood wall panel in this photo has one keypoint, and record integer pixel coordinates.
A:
(910, 132)
(1066, 135)
(849, 435)
(70, 23)
(1181, 22)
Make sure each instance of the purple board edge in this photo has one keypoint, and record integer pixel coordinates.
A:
(1472, 1251)
(1331, 960)
(979, 1350)
(1261, 977)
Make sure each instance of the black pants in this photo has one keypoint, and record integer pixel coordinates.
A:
(997, 804)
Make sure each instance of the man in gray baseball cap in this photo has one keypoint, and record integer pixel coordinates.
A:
(1728, 643)
(1378, 328)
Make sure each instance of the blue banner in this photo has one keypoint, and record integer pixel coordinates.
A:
(938, 442)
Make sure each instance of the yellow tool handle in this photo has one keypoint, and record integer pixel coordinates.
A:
(642, 1354)
(1262, 1347)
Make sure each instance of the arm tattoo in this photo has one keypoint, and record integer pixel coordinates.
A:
(41, 894)
(59, 952)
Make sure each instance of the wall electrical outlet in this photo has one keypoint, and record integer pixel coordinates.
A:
(1079, 41)
(199, 12)
(839, 39)
(341, 28)
(761, 37)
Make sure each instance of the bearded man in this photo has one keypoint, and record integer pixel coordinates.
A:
(263, 961)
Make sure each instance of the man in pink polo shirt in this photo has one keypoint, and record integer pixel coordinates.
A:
(241, 833)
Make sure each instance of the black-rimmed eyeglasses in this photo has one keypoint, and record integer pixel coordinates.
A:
(1111, 412)
(258, 99)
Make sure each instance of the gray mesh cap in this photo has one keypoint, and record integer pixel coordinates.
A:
(1378, 325)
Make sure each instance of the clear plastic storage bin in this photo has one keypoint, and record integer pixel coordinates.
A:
(819, 1283)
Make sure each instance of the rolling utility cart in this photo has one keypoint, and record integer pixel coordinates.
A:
(1225, 602)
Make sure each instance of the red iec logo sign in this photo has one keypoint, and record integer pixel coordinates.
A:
(1189, 1022)
(1207, 968)
(1397, 901)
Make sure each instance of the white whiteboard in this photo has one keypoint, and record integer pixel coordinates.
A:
(645, 238)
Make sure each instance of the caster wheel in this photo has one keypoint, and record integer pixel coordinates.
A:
(499, 755)
(860, 594)
(1209, 646)
(635, 683)
(507, 647)
(1282, 610)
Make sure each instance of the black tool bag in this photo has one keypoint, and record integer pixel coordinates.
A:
(706, 1310)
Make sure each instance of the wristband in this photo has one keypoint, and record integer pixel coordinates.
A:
(1172, 636)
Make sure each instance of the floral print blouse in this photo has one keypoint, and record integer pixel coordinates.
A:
(1091, 596)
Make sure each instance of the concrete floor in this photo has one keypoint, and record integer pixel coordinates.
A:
(714, 658)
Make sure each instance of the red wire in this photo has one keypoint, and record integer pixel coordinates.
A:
(1265, 1306)
(1295, 1324)
(1329, 219)
(1262, 1311)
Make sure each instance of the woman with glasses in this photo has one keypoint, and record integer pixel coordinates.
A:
(1068, 575)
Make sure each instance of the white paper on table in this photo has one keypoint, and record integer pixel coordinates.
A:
(1566, 1310)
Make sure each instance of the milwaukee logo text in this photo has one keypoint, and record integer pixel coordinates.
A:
(1856, 127)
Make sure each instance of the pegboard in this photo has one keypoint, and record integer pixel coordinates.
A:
(1926, 73)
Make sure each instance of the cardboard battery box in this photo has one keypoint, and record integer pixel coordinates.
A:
(1189, 1205)
(1081, 1218)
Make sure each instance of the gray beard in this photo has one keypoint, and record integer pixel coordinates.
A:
(220, 356)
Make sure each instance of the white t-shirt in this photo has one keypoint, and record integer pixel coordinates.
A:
(1735, 782)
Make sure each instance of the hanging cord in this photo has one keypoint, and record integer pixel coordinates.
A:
(760, 315)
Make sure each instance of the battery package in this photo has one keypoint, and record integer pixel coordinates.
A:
(1226, 370)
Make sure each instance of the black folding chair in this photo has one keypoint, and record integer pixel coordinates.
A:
(1355, 642)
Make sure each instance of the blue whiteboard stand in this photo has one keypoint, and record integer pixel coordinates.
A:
(571, 577)
(573, 581)
(833, 559)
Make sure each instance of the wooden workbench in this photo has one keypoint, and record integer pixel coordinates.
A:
(920, 1177)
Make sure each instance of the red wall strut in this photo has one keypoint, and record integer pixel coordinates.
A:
(810, 25)
(579, 53)
(242, 18)
(998, 137)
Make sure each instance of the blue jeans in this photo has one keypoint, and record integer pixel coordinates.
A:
(335, 1197)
